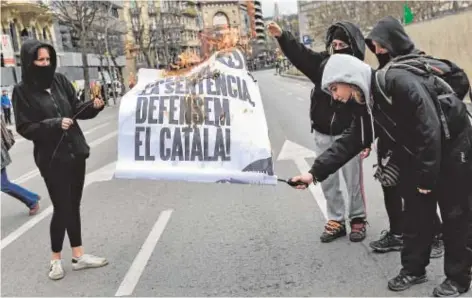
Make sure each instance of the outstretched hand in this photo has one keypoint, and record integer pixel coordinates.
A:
(305, 178)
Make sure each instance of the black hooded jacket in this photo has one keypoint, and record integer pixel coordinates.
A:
(327, 116)
(390, 33)
(411, 124)
(39, 114)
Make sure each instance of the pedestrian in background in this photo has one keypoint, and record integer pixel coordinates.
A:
(30, 199)
(328, 122)
(46, 106)
(6, 107)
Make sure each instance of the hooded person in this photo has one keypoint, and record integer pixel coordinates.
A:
(46, 106)
(328, 121)
(388, 40)
(436, 171)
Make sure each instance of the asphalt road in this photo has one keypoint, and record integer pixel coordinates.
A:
(185, 239)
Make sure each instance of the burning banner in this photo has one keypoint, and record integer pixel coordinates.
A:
(206, 125)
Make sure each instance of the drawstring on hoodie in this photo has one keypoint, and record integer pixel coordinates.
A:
(87, 105)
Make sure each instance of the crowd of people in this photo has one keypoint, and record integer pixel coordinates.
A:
(411, 110)
(414, 118)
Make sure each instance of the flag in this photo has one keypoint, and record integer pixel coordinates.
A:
(407, 15)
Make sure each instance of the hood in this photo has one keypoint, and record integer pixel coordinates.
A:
(29, 54)
(390, 33)
(355, 35)
(342, 68)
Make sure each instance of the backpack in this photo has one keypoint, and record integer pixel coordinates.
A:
(449, 81)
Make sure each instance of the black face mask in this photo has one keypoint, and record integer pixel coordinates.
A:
(383, 59)
(42, 76)
(347, 50)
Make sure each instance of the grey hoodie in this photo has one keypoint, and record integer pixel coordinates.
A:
(342, 68)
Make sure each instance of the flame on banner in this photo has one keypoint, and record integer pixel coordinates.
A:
(223, 39)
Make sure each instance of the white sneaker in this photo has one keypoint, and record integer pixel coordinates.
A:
(88, 261)
(56, 271)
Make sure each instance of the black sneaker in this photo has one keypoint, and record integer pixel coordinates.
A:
(333, 230)
(387, 242)
(449, 288)
(405, 281)
(437, 249)
(358, 229)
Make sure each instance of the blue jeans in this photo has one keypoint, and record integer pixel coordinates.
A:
(25, 196)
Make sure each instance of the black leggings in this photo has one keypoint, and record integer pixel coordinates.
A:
(394, 206)
(65, 183)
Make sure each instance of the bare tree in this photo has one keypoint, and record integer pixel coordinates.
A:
(143, 35)
(80, 16)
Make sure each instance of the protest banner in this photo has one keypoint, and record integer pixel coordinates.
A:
(205, 126)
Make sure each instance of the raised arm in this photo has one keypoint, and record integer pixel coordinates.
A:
(304, 59)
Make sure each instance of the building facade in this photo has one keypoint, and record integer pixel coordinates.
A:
(22, 20)
(161, 30)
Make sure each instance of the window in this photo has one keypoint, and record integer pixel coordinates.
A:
(220, 19)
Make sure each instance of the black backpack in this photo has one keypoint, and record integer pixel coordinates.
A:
(449, 81)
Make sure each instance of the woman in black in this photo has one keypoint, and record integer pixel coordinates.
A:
(438, 170)
(45, 107)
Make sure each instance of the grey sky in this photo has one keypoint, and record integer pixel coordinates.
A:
(285, 7)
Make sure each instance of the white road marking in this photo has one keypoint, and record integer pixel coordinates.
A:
(299, 98)
(140, 261)
(102, 174)
(34, 173)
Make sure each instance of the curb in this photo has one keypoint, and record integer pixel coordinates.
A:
(294, 77)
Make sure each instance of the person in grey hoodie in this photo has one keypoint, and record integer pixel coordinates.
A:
(328, 121)
(437, 171)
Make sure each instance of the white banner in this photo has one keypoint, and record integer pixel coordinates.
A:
(206, 126)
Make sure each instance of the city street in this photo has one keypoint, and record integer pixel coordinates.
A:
(185, 239)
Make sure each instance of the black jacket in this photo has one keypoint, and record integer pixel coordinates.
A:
(327, 116)
(411, 123)
(39, 114)
(390, 33)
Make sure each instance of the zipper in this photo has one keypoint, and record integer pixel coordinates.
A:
(362, 130)
(391, 137)
(331, 125)
(386, 116)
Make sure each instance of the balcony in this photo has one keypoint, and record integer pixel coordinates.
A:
(260, 35)
(191, 12)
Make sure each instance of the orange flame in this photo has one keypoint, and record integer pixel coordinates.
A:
(222, 38)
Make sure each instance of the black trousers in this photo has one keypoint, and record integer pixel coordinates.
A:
(65, 183)
(7, 113)
(452, 193)
(394, 207)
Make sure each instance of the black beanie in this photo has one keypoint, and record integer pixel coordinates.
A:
(340, 34)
